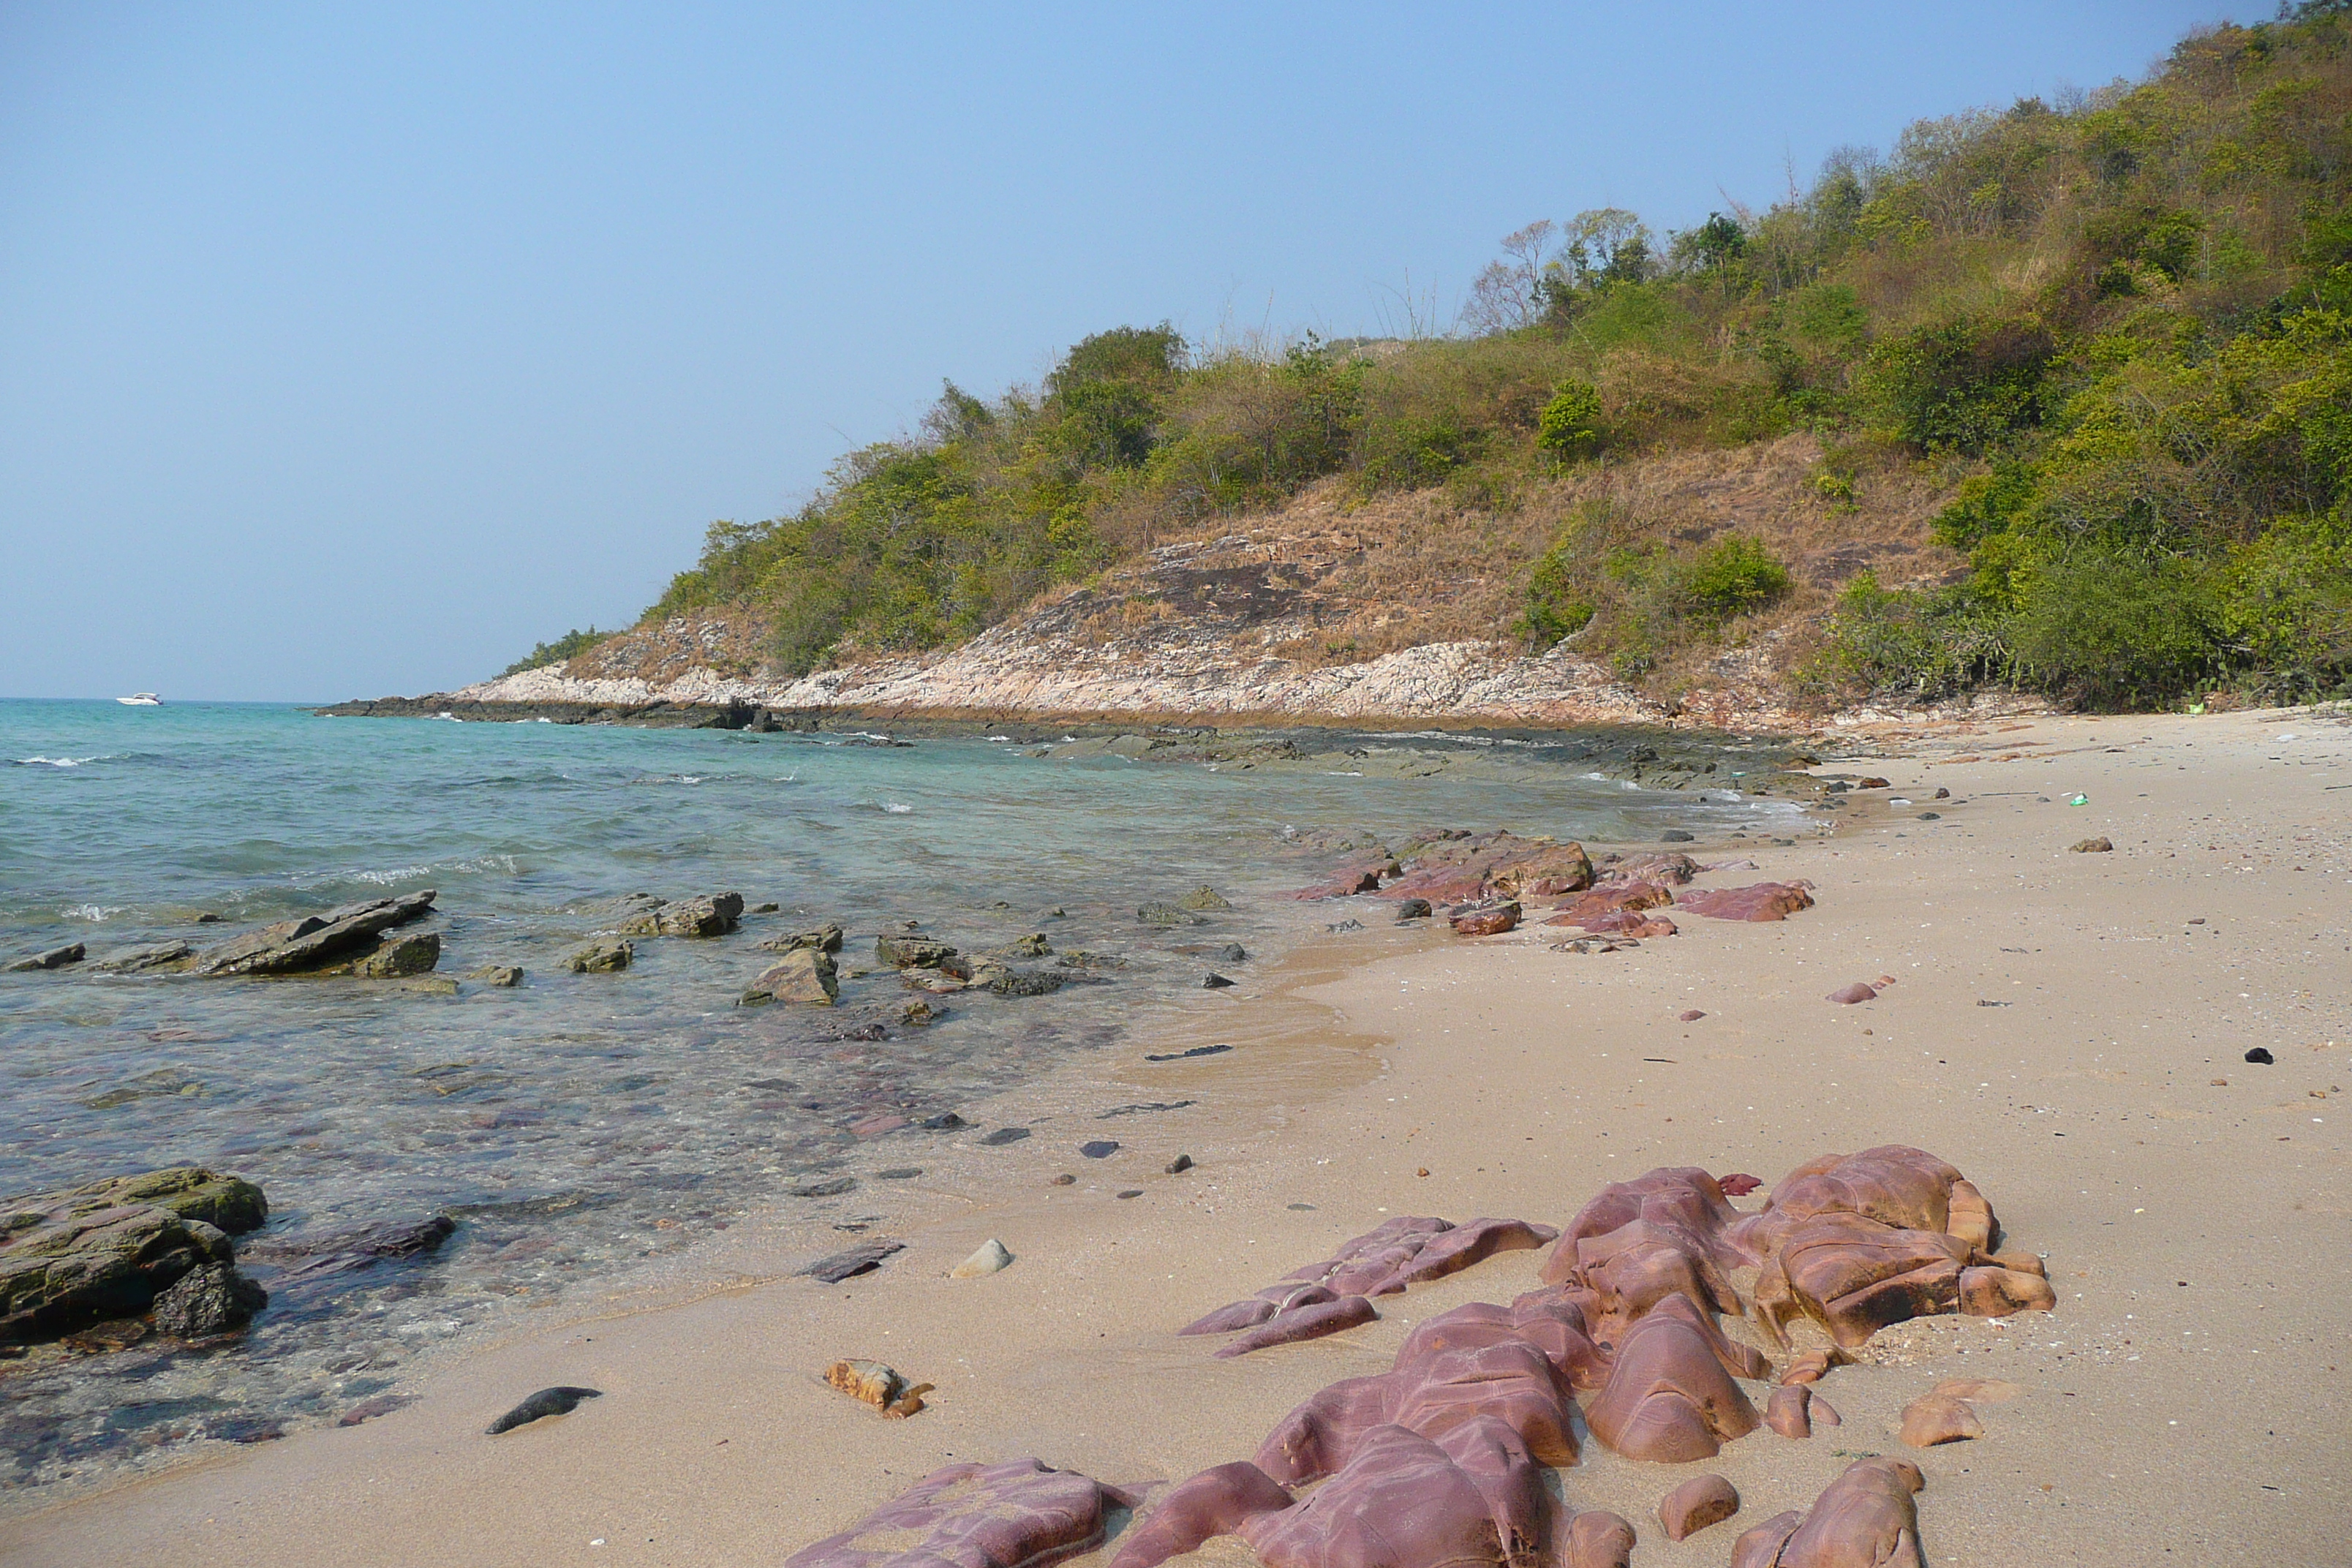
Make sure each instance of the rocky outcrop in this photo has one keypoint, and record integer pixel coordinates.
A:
(976, 1516)
(111, 1249)
(599, 958)
(314, 942)
(212, 1299)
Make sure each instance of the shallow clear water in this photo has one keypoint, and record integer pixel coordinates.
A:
(580, 1126)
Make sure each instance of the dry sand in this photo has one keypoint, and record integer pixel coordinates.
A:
(2056, 1029)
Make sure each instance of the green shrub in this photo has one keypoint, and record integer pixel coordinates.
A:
(1570, 425)
(2111, 632)
(1558, 605)
(1736, 576)
(1960, 385)
(2286, 607)
(563, 650)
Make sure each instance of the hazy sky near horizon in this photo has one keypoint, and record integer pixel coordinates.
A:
(348, 351)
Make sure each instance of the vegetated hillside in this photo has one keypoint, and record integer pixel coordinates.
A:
(2056, 397)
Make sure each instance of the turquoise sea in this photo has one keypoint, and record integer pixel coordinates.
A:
(561, 1121)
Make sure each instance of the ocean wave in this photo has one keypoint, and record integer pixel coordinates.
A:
(63, 762)
(92, 912)
(476, 866)
(896, 808)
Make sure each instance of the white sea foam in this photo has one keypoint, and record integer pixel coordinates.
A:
(58, 762)
(91, 912)
(896, 808)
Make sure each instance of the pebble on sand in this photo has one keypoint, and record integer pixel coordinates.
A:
(991, 1258)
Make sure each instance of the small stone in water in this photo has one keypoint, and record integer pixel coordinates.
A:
(945, 1121)
(823, 1187)
(1676, 835)
(1099, 1149)
(1232, 953)
(1215, 982)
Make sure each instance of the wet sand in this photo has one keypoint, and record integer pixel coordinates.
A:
(2054, 1029)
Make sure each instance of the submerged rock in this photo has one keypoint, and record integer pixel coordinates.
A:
(912, 952)
(599, 957)
(806, 975)
(314, 1259)
(1204, 897)
(55, 958)
(209, 1300)
(136, 959)
(501, 974)
(863, 1258)
(826, 938)
(314, 942)
(1159, 914)
(397, 956)
(109, 1249)
(712, 914)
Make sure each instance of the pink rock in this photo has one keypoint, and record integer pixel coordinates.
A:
(1598, 1539)
(1214, 1502)
(1698, 1503)
(1789, 1411)
(1303, 1324)
(1739, 1183)
(1345, 884)
(976, 1516)
(1760, 901)
(1376, 1263)
(1404, 1499)
(1692, 1016)
(1486, 920)
(1867, 1518)
(875, 1126)
(1612, 899)
(1669, 1399)
(1848, 996)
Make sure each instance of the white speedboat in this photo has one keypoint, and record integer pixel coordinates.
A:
(140, 700)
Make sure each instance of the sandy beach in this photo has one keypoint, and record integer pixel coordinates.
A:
(2069, 1029)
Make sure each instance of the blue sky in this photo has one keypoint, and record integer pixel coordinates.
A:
(347, 350)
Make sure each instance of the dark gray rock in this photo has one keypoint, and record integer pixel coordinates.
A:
(314, 942)
(55, 958)
(1022, 982)
(395, 957)
(211, 1299)
(863, 1258)
(561, 1400)
(1232, 953)
(821, 1187)
(1215, 982)
(1003, 1135)
(1413, 909)
(1676, 835)
(1099, 1149)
